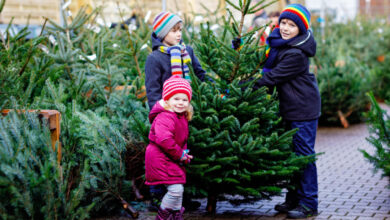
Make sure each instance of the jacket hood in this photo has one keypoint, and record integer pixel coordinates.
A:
(157, 109)
(306, 43)
(156, 42)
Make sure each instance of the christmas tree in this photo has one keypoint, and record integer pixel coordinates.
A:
(343, 75)
(242, 153)
(379, 127)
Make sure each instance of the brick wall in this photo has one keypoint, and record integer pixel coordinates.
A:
(374, 8)
(31, 11)
(36, 9)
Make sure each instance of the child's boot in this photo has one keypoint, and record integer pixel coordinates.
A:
(163, 214)
(179, 214)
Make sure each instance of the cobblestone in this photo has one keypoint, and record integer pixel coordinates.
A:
(348, 188)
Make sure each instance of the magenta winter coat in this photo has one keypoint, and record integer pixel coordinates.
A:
(167, 140)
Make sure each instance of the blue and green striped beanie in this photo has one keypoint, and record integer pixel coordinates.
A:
(163, 23)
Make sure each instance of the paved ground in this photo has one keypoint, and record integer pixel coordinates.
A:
(348, 188)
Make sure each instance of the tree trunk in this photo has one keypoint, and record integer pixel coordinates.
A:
(211, 204)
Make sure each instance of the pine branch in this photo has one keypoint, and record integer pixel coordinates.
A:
(133, 50)
(30, 51)
(2, 3)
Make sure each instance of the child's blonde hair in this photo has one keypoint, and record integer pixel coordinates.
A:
(189, 112)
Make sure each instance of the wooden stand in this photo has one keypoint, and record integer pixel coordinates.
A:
(53, 118)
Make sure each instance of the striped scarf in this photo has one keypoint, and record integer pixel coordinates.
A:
(179, 60)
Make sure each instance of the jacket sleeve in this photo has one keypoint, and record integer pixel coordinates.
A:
(164, 136)
(198, 70)
(153, 80)
(289, 67)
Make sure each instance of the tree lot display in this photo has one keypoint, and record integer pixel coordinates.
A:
(94, 76)
(76, 69)
(102, 128)
(347, 68)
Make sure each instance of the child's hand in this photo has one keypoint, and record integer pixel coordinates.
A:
(185, 157)
(189, 158)
(237, 43)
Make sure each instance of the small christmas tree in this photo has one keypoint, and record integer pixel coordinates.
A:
(343, 89)
(241, 151)
(379, 127)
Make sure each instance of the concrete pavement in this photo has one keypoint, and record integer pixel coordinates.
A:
(348, 188)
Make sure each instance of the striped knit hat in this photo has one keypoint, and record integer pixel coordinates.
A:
(299, 14)
(163, 23)
(175, 84)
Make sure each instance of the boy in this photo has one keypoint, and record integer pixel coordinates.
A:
(169, 57)
(287, 68)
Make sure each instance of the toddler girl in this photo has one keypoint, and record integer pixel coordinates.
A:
(167, 151)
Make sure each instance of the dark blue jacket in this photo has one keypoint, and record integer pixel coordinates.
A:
(297, 87)
(158, 69)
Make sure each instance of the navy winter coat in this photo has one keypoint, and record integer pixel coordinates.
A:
(297, 87)
(158, 69)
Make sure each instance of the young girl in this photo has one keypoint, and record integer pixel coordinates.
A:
(167, 151)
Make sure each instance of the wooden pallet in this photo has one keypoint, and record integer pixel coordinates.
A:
(53, 118)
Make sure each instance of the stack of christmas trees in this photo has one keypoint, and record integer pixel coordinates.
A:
(84, 71)
(92, 75)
